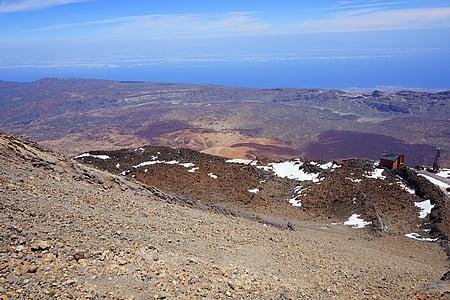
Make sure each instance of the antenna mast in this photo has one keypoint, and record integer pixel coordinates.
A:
(437, 160)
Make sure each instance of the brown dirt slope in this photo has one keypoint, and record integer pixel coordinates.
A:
(344, 191)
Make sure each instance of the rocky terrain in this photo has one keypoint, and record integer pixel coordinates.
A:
(71, 231)
(302, 190)
(76, 115)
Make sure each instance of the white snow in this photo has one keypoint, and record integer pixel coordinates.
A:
(425, 208)
(148, 163)
(288, 169)
(353, 180)
(299, 191)
(295, 202)
(118, 166)
(444, 173)
(376, 174)
(212, 175)
(298, 188)
(329, 165)
(104, 157)
(193, 170)
(356, 222)
(242, 161)
(417, 237)
(187, 165)
(291, 170)
(434, 181)
(254, 191)
(406, 188)
(171, 162)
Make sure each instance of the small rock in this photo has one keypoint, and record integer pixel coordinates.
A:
(40, 245)
(32, 269)
(79, 254)
(83, 262)
(48, 257)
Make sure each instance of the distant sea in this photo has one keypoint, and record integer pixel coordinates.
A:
(422, 71)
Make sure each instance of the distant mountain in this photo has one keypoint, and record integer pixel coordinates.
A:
(75, 115)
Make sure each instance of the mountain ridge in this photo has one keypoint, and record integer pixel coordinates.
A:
(232, 122)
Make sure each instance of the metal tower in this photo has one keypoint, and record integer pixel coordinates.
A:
(437, 160)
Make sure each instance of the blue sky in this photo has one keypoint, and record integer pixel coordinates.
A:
(250, 43)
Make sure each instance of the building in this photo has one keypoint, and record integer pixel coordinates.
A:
(392, 161)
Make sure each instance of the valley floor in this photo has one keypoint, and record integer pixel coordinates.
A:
(69, 231)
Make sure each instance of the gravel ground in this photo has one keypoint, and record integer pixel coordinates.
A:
(69, 231)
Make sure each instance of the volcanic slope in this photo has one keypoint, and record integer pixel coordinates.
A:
(70, 231)
(316, 191)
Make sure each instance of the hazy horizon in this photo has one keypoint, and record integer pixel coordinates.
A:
(326, 44)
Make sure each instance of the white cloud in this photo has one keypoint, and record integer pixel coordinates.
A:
(173, 25)
(348, 5)
(392, 19)
(8, 6)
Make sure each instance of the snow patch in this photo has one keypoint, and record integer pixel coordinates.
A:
(329, 165)
(444, 173)
(299, 191)
(353, 180)
(193, 170)
(189, 166)
(436, 182)
(288, 169)
(377, 173)
(291, 170)
(148, 163)
(406, 188)
(417, 237)
(212, 175)
(254, 191)
(356, 222)
(104, 157)
(295, 202)
(118, 166)
(425, 208)
(242, 161)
